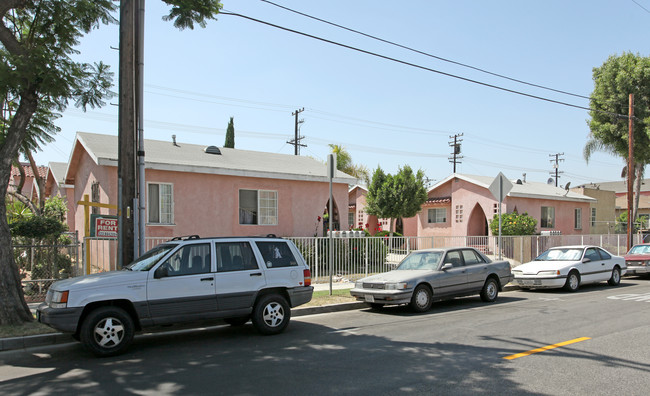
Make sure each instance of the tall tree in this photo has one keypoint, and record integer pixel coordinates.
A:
(230, 134)
(392, 197)
(38, 79)
(614, 81)
(344, 163)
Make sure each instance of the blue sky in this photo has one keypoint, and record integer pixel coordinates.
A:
(384, 113)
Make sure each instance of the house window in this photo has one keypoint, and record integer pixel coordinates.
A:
(459, 213)
(437, 215)
(577, 218)
(593, 217)
(258, 207)
(548, 217)
(160, 203)
(496, 209)
(350, 219)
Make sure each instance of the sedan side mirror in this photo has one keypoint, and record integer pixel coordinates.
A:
(447, 266)
(161, 272)
(586, 260)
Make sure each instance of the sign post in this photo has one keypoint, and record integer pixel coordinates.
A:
(331, 170)
(499, 188)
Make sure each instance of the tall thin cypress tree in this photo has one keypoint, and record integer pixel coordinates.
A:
(230, 134)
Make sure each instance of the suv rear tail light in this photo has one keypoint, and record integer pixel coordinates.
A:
(307, 274)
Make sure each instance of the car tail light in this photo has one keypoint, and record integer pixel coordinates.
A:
(307, 274)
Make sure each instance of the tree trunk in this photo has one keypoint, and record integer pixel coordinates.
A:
(13, 308)
(38, 180)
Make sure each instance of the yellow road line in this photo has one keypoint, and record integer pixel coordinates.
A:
(546, 348)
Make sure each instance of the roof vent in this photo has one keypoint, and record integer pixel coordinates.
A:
(212, 150)
(519, 181)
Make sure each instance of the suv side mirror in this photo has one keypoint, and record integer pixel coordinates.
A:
(447, 266)
(161, 272)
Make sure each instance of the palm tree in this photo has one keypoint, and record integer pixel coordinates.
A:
(344, 163)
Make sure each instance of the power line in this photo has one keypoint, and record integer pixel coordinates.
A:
(426, 53)
(634, 1)
(423, 67)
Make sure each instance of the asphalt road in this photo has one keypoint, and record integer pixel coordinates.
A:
(592, 342)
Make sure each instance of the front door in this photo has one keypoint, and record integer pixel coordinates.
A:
(187, 292)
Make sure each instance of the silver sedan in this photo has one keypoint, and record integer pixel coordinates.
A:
(435, 274)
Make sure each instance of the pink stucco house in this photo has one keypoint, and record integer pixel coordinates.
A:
(462, 205)
(215, 192)
(357, 216)
(29, 188)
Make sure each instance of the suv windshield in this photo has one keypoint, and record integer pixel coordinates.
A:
(149, 259)
(421, 261)
(560, 255)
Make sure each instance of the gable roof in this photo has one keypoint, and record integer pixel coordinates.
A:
(524, 190)
(617, 186)
(184, 157)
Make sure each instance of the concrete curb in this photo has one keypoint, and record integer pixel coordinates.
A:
(24, 342)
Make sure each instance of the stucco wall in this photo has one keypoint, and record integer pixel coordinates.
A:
(208, 205)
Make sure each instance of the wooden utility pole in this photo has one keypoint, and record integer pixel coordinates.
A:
(455, 155)
(556, 166)
(296, 140)
(126, 163)
(630, 172)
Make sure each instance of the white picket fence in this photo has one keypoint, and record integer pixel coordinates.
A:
(356, 257)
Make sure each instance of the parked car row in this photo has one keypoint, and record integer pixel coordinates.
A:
(428, 275)
(238, 279)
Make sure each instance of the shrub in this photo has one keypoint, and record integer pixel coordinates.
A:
(513, 224)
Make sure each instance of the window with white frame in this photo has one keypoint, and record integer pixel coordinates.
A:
(577, 218)
(547, 219)
(160, 203)
(593, 217)
(258, 207)
(437, 215)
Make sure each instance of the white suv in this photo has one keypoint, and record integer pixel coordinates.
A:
(186, 279)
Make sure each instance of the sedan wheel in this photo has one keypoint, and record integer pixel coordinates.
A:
(490, 290)
(616, 277)
(421, 300)
(572, 281)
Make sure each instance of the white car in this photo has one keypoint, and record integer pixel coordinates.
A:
(570, 267)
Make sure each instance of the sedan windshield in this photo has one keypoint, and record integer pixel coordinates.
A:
(421, 261)
(566, 254)
(149, 259)
(640, 249)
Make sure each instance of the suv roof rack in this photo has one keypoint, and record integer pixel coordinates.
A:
(184, 237)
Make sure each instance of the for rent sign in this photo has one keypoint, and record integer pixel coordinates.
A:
(104, 226)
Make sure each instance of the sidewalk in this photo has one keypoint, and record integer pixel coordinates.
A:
(24, 342)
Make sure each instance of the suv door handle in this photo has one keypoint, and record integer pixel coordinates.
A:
(256, 274)
(207, 279)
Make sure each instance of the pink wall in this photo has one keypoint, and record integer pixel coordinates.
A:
(473, 202)
(208, 205)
